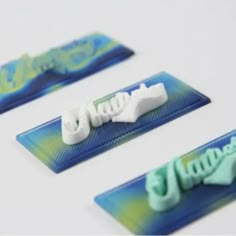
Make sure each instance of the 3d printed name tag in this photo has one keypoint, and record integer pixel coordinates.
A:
(99, 135)
(215, 166)
(123, 107)
(30, 77)
(183, 190)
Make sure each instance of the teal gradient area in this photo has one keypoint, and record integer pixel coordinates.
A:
(29, 77)
(46, 144)
(128, 203)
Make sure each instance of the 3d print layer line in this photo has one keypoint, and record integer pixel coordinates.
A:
(123, 107)
(29, 77)
(178, 193)
(135, 110)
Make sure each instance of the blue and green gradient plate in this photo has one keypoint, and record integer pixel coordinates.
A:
(128, 203)
(46, 144)
(28, 77)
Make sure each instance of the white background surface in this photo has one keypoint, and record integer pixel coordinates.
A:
(193, 40)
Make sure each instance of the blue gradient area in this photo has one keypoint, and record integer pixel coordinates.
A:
(46, 144)
(195, 203)
(50, 80)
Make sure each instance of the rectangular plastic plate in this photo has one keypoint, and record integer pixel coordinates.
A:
(94, 53)
(128, 203)
(46, 144)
